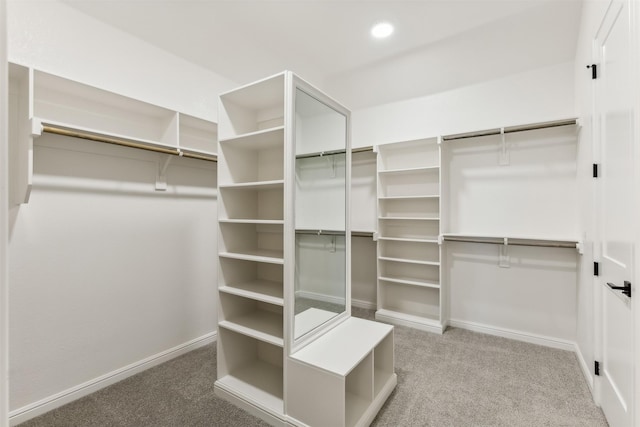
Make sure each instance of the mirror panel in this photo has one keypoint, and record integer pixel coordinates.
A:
(320, 213)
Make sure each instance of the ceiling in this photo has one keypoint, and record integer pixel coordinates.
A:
(436, 46)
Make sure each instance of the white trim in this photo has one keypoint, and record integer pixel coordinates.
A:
(584, 366)
(514, 335)
(4, 220)
(35, 409)
(360, 303)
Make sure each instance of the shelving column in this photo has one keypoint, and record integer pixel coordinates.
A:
(251, 219)
(409, 273)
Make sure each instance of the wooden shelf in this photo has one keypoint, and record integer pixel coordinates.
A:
(259, 255)
(512, 240)
(406, 218)
(262, 325)
(419, 319)
(408, 261)
(256, 185)
(410, 281)
(400, 239)
(258, 140)
(260, 290)
(409, 170)
(260, 380)
(429, 196)
(252, 221)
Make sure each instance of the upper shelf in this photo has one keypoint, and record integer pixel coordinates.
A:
(512, 129)
(252, 108)
(514, 240)
(52, 104)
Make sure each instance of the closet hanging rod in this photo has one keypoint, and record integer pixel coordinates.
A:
(332, 152)
(511, 129)
(123, 142)
(513, 241)
(320, 154)
(322, 232)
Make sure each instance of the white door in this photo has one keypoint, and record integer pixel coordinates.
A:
(614, 109)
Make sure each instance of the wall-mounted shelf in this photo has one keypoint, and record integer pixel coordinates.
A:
(513, 240)
(46, 103)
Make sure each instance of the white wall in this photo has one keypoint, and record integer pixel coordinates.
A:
(4, 222)
(53, 37)
(533, 96)
(107, 275)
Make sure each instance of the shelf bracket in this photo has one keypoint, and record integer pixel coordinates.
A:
(36, 127)
(504, 261)
(504, 152)
(161, 176)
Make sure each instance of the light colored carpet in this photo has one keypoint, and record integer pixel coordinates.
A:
(457, 379)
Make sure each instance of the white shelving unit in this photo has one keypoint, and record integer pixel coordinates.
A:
(251, 245)
(46, 103)
(280, 163)
(409, 254)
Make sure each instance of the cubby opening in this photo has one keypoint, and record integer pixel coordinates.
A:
(383, 364)
(197, 134)
(416, 274)
(254, 240)
(255, 158)
(251, 367)
(258, 319)
(411, 154)
(358, 390)
(78, 106)
(421, 182)
(259, 203)
(256, 280)
(418, 207)
(252, 108)
(412, 251)
(409, 301)
(409, 229)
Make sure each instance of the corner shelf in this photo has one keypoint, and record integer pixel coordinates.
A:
(409, 253)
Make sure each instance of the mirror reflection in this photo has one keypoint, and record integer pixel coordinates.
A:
(320, 213)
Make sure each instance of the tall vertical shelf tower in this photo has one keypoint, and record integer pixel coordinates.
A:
(278, 138)
(409, 273)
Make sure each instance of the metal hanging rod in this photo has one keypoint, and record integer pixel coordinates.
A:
(320, 154)
(513, 241)
(333, 152)
(322, 232)
(123, 142)
(511, 129)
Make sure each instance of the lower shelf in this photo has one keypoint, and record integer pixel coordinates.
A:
(422, 322)
(260, 381)
(355, 407)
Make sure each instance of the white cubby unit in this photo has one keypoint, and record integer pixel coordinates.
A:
(265, 236)
(410, 290)
(47, 103)
(344, 377)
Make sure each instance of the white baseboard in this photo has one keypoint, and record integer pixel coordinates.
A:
(47, 404)
(320, 297)
(584, 366)
(360, 303)
(514, 335)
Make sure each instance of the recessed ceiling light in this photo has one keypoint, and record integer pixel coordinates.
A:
(382, 30)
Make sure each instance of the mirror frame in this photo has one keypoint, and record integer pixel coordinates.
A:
(292, 86)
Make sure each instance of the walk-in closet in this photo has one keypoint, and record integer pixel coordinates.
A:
(319, 214)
